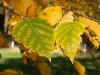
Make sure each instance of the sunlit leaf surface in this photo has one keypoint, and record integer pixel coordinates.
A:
(52, 14)
(67, 36)
(35, 34)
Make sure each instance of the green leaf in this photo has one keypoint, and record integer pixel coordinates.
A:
(67, 35)
(35, 34)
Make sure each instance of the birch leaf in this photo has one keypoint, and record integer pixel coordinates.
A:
(92, 31)
(67, 35)
(52, 14)
(36, 34)
(67, 18)
(80, 68)
(20, 6)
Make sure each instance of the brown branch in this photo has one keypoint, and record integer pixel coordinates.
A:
(66, 8)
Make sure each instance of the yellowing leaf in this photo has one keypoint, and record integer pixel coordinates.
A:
(20, 6)
(52, 14)
(67, 18)
(44, 69)
(80, 68)
(36, 35)
(67, 35)
(92, 31)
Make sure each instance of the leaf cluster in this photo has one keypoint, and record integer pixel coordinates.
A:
(38, 25)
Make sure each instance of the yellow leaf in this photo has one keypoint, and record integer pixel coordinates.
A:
(80, 68)
(92, 39)
(67, 35)
(52, 14)
(67, 18)
(44, 69)
(20, 6)
(92, 31)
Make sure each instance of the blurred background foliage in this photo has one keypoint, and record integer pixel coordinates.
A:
(90, 8)
(60, 65)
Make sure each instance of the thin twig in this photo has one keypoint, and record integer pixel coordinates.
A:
(63, 7)
(11, 11)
